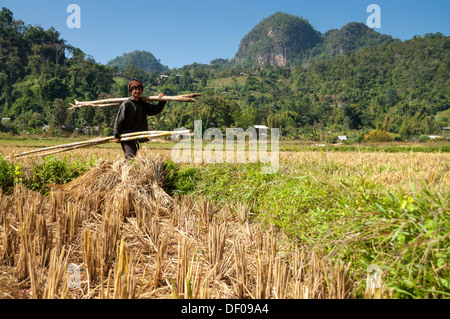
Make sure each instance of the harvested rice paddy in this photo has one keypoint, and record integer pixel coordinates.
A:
(314, 229)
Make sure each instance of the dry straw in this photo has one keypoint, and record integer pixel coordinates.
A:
(56, 286)
(216, 248)
(124, 274)
(241, 270)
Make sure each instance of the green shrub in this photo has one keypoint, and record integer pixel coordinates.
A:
(55, 171)
(378, 136)
(108, 131)
(331, 139)
(50, 171)
(423, 138)
(7, 175)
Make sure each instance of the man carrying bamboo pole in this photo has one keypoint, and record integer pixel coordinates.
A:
(132, 117)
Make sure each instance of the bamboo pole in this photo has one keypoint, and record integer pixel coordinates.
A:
(137, 137)
(85, 143)
(124, 137)
(118, 101)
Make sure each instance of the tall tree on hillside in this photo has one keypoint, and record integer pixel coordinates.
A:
(46, 43)
(216, 112)
(57, 113)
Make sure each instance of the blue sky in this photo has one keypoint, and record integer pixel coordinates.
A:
(180, 32)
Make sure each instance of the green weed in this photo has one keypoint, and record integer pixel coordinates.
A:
(7, 175)
(50, 170)
(53, 170)
(179, 180)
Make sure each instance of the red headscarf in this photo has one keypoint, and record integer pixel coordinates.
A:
(134, 83)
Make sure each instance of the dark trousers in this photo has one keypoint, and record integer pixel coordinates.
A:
(130, 148)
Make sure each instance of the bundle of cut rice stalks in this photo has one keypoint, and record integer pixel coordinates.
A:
(121, 187)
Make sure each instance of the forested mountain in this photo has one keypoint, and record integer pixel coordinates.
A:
(280, 39)
(143, 60)
(286, 40)
(350, 79)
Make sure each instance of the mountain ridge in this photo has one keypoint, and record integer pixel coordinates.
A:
(280, 39)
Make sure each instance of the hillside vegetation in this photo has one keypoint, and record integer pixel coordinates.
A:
(345, 82)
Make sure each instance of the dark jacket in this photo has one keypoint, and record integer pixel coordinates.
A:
(132, 116)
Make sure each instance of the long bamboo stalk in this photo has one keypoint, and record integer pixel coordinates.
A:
(124, 137)
(98, 141)
(118, 101)
(85, 143)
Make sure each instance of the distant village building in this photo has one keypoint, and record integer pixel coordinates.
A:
(342, 138)
(67, 128)
(261, 130)
(6, 120)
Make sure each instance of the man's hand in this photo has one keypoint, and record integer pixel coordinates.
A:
(117, 140)
(160, 95)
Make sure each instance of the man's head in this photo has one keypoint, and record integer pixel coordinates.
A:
(136, 88)
(135, 84)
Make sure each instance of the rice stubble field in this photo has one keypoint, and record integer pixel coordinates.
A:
(314, 229)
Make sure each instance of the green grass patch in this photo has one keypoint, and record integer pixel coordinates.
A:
(445, 113)
(179, 181)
